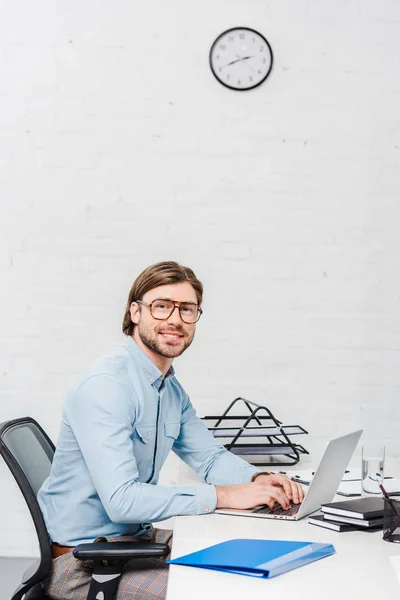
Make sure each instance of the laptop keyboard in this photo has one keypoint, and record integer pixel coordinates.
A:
(278, 510)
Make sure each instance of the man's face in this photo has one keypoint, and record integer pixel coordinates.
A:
(167, 338)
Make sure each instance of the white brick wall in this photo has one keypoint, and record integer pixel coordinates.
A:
(118, 149)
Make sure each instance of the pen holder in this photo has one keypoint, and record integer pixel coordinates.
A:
(391, 519)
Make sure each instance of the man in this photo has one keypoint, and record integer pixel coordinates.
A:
(120, 421)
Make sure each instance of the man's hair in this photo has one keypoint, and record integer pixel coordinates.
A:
(162, 273)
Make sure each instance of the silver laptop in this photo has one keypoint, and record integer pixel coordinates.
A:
(322, 488)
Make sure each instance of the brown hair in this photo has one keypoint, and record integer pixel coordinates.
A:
(162, 273)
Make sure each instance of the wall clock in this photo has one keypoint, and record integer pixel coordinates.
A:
(241, 58)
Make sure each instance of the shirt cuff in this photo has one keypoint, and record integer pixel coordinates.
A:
(206, 499)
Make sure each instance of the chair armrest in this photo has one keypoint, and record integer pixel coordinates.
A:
(120, 550)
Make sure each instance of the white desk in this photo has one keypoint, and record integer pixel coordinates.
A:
(359, 569)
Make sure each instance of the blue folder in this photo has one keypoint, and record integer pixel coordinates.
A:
(257, 558)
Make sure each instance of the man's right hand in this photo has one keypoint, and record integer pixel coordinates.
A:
(249, 495)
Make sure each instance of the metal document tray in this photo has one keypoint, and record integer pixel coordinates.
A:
(257, 434)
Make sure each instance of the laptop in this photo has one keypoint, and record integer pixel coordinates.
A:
(322, 488)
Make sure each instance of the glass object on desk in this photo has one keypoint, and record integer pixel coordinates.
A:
(372, 468)
(391, 519)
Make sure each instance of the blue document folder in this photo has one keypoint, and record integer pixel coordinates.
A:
(257, 558)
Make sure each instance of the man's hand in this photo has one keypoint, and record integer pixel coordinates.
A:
(266, 489)
(249, 495)
(293, 490)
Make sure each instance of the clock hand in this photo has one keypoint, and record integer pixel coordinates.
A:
(233, 62)
(248, 64)
(240, 58)
(243, 57)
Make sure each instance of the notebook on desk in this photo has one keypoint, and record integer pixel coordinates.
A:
(322, 488)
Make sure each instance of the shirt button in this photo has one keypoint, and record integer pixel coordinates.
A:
(147, 436)
(206, 509)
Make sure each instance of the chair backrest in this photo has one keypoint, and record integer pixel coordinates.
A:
(28, 452)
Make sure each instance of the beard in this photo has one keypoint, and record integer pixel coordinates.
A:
(150, 338)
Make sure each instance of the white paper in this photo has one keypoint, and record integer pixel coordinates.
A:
(354, 487)
(351, 482)
(304, 475)
(354, 473)
(350, 488)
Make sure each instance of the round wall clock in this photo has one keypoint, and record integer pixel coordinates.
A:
(241, 58)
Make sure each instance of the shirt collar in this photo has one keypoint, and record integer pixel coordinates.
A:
(152, 373)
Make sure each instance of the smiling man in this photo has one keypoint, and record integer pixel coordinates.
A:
(120, 421)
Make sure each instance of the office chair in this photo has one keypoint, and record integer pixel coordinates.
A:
(28, 452)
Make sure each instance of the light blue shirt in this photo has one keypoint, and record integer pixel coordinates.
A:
(120, 421)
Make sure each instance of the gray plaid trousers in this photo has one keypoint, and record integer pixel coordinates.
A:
(142, 579)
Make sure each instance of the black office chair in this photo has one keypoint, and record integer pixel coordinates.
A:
(29, 452)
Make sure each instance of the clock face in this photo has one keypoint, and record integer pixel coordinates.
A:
(241, 58)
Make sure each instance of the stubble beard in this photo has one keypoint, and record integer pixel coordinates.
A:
(149, 339)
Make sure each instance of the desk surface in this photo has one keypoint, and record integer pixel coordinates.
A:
(359, 569)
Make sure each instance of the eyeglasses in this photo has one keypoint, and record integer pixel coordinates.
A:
(162, 309)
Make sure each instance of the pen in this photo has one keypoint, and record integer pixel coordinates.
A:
(396, 522)
(386, 495)
(313, 472)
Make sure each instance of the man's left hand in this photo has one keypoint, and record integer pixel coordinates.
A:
(293, 490)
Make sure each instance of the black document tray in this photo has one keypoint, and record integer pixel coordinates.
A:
(257, 434)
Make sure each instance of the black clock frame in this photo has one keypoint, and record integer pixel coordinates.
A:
(232, 87)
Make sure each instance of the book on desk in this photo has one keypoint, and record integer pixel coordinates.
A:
(349, 515)
(361, 508)
(337, 523)
(256, 558)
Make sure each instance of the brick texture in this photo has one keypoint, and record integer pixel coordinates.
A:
(119, 149)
